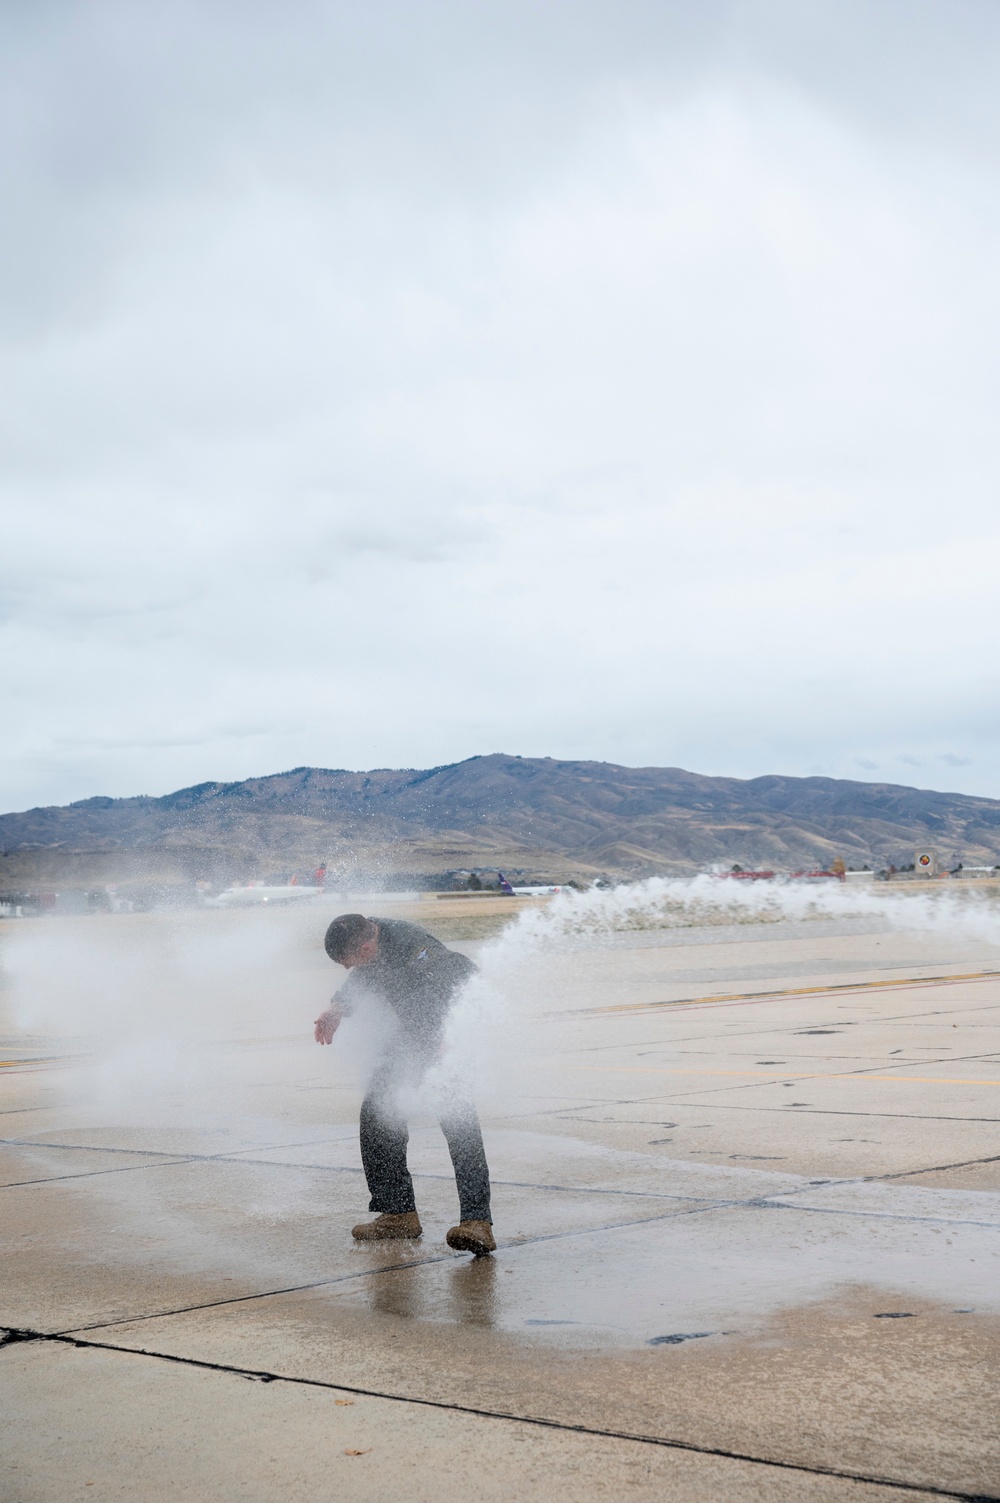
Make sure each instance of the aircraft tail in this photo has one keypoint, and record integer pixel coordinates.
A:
(505, 886)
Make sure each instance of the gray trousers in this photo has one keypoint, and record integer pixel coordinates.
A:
(385, 1135)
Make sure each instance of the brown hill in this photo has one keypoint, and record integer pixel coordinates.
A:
(525, 812)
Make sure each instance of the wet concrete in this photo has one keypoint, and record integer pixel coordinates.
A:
(749, 1240)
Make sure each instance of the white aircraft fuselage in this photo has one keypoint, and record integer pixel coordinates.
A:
(258, 897)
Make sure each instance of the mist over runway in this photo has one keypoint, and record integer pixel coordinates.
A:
(745, 1191)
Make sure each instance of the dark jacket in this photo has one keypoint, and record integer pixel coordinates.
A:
(414, 973)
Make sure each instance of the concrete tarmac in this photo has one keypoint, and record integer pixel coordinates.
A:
(747, 1200)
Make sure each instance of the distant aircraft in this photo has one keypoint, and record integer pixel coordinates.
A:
(525, 892)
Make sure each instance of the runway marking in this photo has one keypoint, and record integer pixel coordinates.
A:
(718, 999)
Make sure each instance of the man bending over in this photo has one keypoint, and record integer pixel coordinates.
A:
(419, 978)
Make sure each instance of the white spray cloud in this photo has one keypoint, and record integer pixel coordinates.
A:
(190, 1020)
(514, 1014)
(178, 1014)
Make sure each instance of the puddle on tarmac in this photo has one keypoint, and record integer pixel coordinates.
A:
(663, 1274)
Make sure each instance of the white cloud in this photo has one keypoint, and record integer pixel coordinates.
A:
(388, 385)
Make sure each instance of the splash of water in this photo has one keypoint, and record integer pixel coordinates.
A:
(515, 1011)
(179, 1007)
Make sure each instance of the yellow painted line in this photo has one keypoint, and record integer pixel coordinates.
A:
(778, 1075)
(14, 1064)
(795, 991)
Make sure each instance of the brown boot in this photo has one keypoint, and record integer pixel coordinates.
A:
(388, 1228)
(472, 1236)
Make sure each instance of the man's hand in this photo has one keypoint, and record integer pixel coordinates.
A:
(327, 1024)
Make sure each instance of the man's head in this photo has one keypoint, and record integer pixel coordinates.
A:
(352, 940)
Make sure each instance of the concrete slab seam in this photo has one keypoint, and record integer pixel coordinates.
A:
(163, 1162)
(777, 1205)
(221, 1158)
(752, 1203)
(769, 1077)
(821, 1111)
(511, 1184)
(934, 1169)
(364, 1273)
(57, 1179)
(14, 1336)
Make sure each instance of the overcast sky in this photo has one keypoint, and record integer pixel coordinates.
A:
(392, 381)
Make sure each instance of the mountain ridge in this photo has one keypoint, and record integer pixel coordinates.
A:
(498, 809)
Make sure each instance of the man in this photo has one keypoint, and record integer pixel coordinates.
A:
(419, 978)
